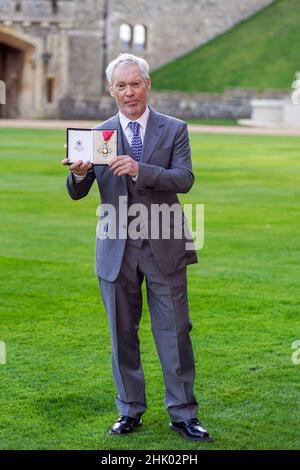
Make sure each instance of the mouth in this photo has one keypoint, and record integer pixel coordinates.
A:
(132, 102)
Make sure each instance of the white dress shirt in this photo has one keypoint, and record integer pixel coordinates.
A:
(142, 120)
(124, 121)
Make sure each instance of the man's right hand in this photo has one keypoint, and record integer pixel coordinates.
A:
(79, 168)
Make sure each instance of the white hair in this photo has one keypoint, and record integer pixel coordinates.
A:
(127, 59)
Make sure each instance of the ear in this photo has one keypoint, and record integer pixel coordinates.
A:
(111, 91)
(149, 84)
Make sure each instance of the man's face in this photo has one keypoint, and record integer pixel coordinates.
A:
(130, 89)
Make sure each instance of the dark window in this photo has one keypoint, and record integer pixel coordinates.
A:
(50, 89)
(54, 4)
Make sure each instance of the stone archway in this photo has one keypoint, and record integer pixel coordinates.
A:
(18, 71)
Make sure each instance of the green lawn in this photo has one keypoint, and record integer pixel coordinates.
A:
(214, 122)
(57, 390)
(261, 52)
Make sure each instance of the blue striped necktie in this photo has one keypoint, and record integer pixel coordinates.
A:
(136, 142)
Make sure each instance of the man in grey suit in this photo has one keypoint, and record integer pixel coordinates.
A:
(153, 164)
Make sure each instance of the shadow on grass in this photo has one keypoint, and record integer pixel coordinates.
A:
(68, 408)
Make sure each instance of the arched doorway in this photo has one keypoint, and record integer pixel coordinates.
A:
(18, 71)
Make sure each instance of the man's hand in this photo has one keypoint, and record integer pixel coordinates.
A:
(79, 168)
(124, 165)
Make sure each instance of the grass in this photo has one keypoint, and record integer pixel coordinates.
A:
(57, 390)
(213, 122)
(260, 52)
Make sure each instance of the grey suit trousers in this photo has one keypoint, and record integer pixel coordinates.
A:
(170, 323)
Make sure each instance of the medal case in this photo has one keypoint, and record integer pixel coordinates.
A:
(97, 146)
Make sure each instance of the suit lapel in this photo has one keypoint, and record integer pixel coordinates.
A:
(121, 145)
(154, 131)
(114, 123)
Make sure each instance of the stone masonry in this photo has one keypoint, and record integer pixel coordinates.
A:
(53, 53)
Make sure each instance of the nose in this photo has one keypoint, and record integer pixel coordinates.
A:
(129, 91)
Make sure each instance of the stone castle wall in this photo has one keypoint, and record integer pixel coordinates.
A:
(65, 45)
(234, 103)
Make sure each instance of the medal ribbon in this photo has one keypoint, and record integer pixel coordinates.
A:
(107, 135)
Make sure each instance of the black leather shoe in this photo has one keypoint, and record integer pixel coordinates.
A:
(191, 430)
(125, 425)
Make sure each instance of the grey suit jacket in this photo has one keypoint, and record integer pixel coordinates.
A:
(164, 170)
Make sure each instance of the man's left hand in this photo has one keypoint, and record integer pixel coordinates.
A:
(124, 165)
